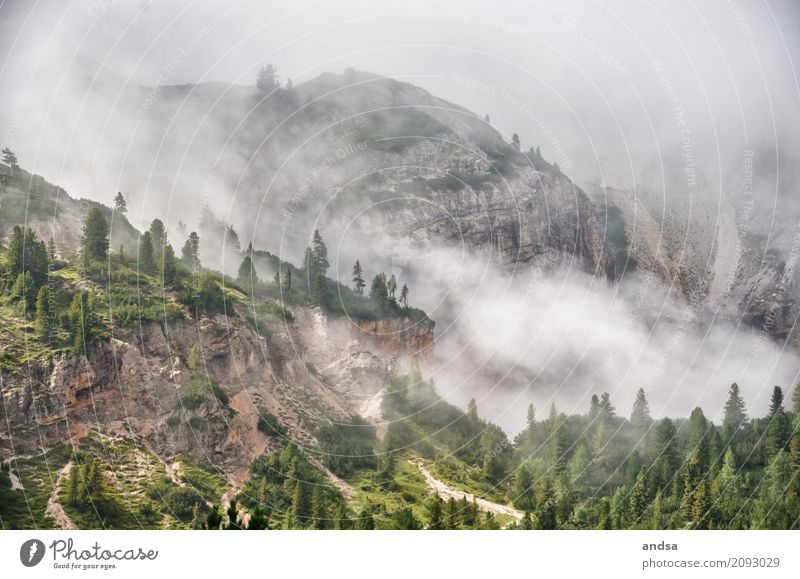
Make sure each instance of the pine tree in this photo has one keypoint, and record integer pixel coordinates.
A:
(796, 399)
(319, 291)
(794, 442)
(232, 239)
(404, 296)
(286, 282)
(247, 275)
(169, 266)
(775, 507)
(26, 253)
(24, 290)
(664, 452)
(378, 294)
(233, 516)
(701, 506)
(391, 287)
(190, 253)
(300, 505)
(698, 437)
(594, 408)
(358, 281)
(319, 254)
(95, 236)
(43, 313)
(637, 505)
(693, 475)
(147, 262)
(82, 322)
(640, 415)
(472, 411)
(267, 79)
(158, 236)
(607, 411)
(726, 494)
(9, 158)
(120, 204)
(735, 412)
(778, 430)
(435, 513)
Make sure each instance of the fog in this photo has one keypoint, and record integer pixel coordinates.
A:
(665, 100)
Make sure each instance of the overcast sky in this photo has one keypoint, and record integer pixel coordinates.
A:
(601, 86)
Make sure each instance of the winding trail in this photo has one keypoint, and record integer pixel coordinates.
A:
(446, 492)
(54, 508)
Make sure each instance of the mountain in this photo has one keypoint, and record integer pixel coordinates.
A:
(141, 391)
(398, 159)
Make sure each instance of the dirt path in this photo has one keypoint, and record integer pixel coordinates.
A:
(54, 508)
(344, 488)
(446, 492)
(16, 485)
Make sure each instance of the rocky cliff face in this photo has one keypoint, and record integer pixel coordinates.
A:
(135, 385)
(718, 258)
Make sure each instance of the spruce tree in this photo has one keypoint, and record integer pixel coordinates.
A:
(640, 415)
(319, 254)
(639, 499)
(9, 158)
(120, 204)
(24, 291)
(95, 236)
(358, 281)
(378, 294)
(146, 253)
(796, 399)
(286, 282)
(26, 253)
(404, 296)
(43, 313)
(735, 412)
(247, 275)
(158, 236)
(82, 322)
(169, 266)
(190, 252)
(778, 430)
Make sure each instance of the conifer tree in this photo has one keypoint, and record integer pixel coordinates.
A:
(43, 313)
(735, 413)
(778, 429)
(120, 204)
(169, 266)
(9, 158)
(796, 399)
(158, 237)
(95, 236)
(358, 281)
(640, 415)
(639, 498)
(82, 322)
(147, 262)
(247, 275)
(286, 281)
(190, 253)
(404, 296)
